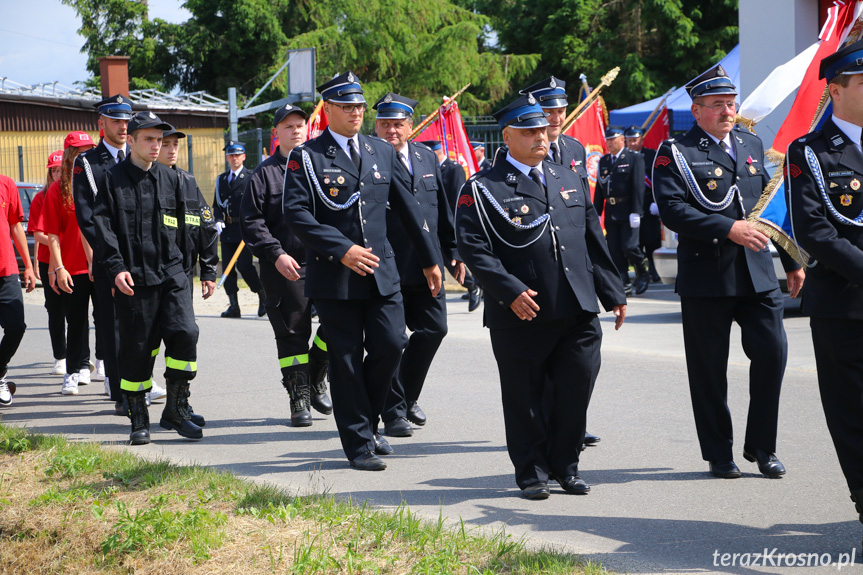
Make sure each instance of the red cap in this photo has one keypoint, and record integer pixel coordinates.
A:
(55, 159)
(78, 139)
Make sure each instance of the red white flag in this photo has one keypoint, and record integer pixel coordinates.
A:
(589, 129)
(317, 123)
(449, 129)
(658, 131)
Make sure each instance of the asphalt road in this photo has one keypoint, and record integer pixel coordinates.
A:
(653, 506)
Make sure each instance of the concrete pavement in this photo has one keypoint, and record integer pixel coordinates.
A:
(653, 507)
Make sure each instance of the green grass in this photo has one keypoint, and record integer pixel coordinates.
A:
(88, 507)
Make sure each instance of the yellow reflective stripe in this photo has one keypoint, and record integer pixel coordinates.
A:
(169, 221)
(180, 365)
(155, 352)
(320, 343)
(293, 360)
(193, 220)
(127, 385)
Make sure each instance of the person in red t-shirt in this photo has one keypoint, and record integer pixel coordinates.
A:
(69, 275)
(11, 301)
(53, 303)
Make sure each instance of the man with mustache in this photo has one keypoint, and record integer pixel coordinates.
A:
(705, 185)
(528, 230)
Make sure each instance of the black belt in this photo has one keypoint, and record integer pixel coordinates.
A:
(619, 200)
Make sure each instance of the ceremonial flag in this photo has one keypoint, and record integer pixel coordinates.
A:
(658, 131)
(317, 122)
(449, 129)
(589, 129)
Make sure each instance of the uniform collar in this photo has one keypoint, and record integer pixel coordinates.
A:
(853, 131)
(524, 168)
(237, 173)
(342, 141)
(111, 149)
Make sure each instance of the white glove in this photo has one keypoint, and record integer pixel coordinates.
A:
(634, 221)
(654, 209)
(219, 227)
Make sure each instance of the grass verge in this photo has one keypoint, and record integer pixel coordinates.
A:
(83, 508)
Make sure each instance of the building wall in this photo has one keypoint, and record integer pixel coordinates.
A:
(30, 150)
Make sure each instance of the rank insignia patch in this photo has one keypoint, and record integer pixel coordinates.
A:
(845, 199)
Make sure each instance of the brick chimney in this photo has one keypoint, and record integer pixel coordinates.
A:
(114, 75)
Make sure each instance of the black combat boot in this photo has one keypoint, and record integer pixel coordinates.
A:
(262, 306)
(139, 415)
(642, 277)
(194, 417)
(175, 416)
(297, 384)
(233, 307)
(318, 365)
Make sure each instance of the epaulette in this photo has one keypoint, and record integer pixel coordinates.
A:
(810, 136)
(378, 139)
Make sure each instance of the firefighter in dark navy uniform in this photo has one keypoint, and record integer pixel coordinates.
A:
(705, 185)
(336, 193)
(283, 274)
(824, 179)
(620, 195)
(650, 230)
(141, 225)
(226, 208)
(528, 230)
(425, 315)
(482, 162)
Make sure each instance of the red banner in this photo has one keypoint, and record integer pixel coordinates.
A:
(589, 129)
(317, 122)
(449, 129)
(658, 131)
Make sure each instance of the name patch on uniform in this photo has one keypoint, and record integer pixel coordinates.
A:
(513, 199)
(465, 200)
(169, 221)
(662, 161)
(293, 165)
(193, 220)
(839, 174)
(701, 164)
(332, 170)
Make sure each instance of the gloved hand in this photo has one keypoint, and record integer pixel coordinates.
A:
(219, 227)
(634, 221)
(654, 209)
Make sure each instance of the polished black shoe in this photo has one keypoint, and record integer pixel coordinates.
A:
(474, 298)
(768, 463)
(318, 366)
(591, 439)
(382, 446)
(536, 491)
(465, 296)
(724, 469)
(416, 415)
(368, 461)
(399, 427)
(574, 484)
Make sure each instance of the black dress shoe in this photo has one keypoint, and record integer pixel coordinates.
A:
(415, 414)
(590, 439)
(475, 297)
(368, 461)
(574, 484)
(465, 296)
(382, 446)
(768, 463)
(536, 491)
(399, 427)
(724, 469)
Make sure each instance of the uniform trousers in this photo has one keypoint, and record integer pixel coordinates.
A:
(650, 237)
(623, 246)
(425, 316)
(566, 354)
(359, 385)
(290, 315)
(11, 319)
(108, 329)
(56, 318)
(157, 313)
(837, 344)
(76, 310)
(706, 336)
(244, 265)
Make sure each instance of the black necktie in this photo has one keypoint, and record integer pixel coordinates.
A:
(553, 152)
(231, 178)
(536, 177)
(121, 155)
(405, 162)
(355, 153)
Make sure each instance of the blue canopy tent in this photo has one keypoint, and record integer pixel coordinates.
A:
(679, 115)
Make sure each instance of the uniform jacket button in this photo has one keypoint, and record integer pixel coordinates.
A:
(362, 184)
(715, 241)
(330, 258)
(364, 202)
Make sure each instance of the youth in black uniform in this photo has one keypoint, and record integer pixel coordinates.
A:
(724, 273)
(283, 274)
(88, 175)
(823, 181)
(425, 315)
(650, 230)
(226, 207)
(336, 194)
(140, 222)
(620, 194)
(529, 232)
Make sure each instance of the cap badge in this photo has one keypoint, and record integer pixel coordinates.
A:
(388, 99)
(552, 84)
(711, 185)
(531, 100)
(855, 184)
(718, 172)
(720, 71)
(350, 77)
(119, 99)
(152, 116)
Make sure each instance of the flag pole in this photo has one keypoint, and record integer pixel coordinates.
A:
(316, 111)
(231, 264)
(606, 81)
(650, 118)
(431, 117)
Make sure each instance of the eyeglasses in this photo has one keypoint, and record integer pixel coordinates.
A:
(350, 108)
(720, 107)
